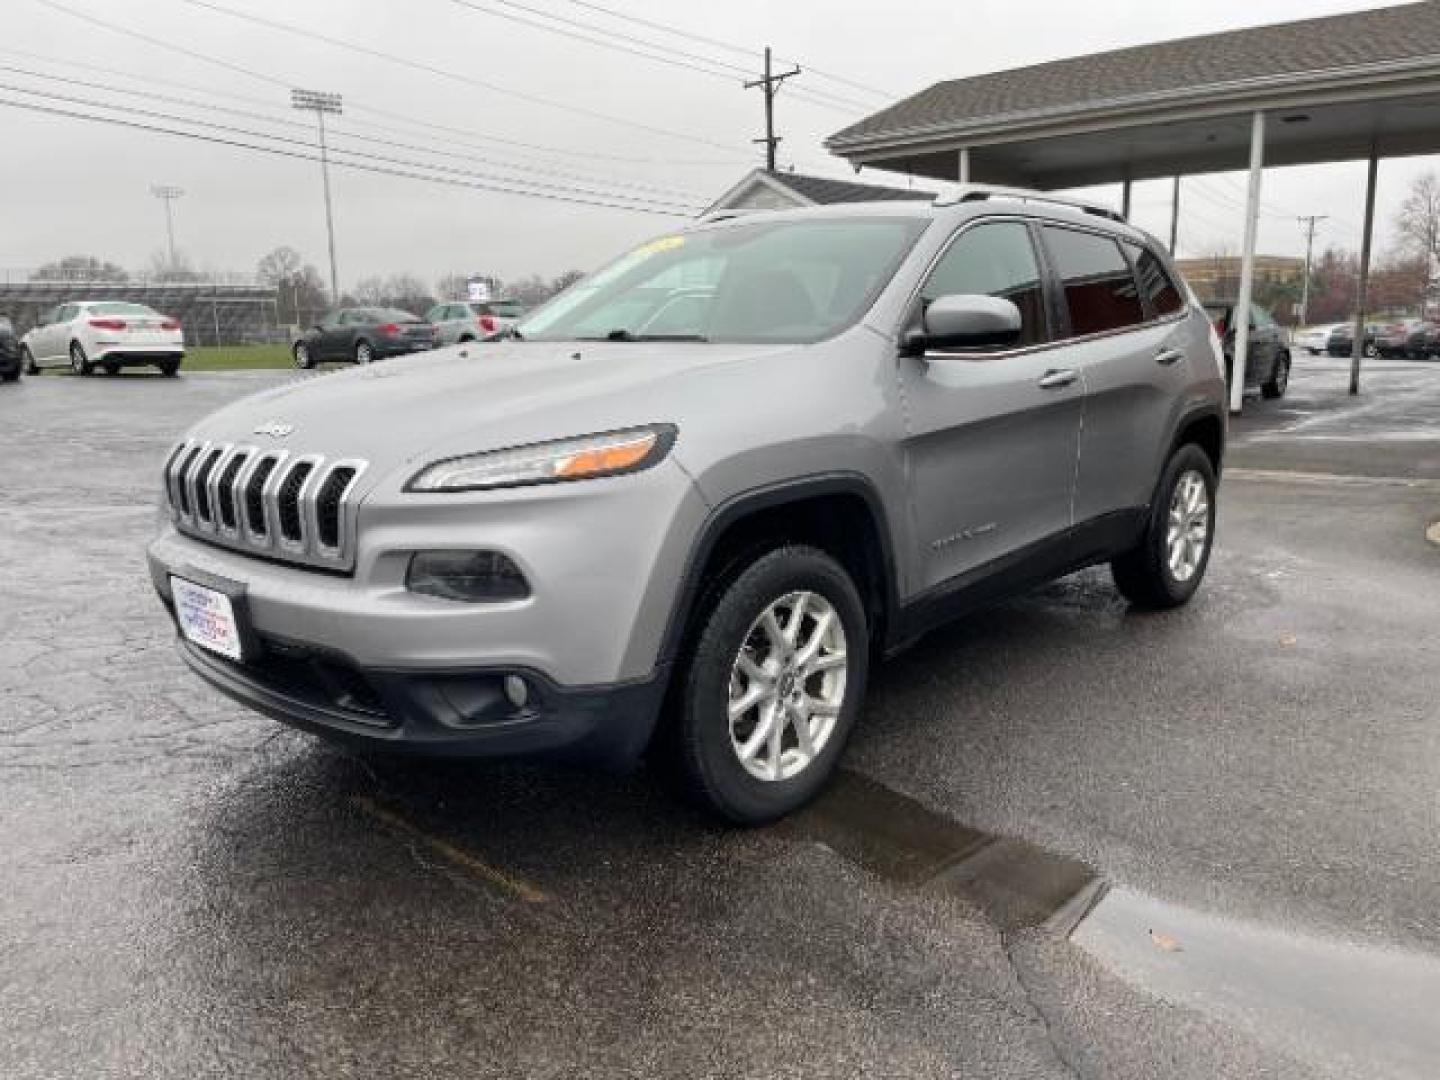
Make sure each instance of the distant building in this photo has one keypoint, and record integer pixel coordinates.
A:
(762, 189)
(1217, 277)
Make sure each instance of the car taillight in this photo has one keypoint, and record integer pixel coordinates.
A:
(170, 324)
(487, 323)
(108, 324)
(1219, 325)
(388, 329)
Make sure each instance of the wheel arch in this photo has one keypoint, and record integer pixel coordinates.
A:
(840, 513)
(1205, 427)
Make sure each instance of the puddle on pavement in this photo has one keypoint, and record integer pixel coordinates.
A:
(1322, 1000)
(1371, 1011)
(1017, 885)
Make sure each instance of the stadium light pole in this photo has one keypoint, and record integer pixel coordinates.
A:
(168, 193)
(320, 104)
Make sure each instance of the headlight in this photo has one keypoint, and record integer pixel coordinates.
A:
(583, 458)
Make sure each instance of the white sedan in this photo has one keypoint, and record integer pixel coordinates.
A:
(1313, 339)
(86, 334)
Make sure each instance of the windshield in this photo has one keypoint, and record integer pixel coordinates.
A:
(755, 281)
(506, 309)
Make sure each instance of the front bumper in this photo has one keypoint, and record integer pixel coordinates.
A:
(437, 713)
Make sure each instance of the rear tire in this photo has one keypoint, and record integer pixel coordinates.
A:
(364, 352)
(111, 368)
(810, 680)
(80, 364)
(169, 368)
(27, 361)
(1279, 378)
(1166, 567)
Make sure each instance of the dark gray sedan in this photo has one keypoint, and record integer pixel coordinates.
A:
(362, 335)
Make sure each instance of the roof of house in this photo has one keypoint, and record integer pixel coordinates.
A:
(820, 190)
(1195, 66)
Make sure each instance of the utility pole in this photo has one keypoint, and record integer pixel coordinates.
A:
(1308, 223)
(320, 104)
(168, 193)
(770, 84)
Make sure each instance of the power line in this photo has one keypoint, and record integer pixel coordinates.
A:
(746, 50)
(366, 163)
(622, 43)
(429, 125)
(444, 73)
(286, 122)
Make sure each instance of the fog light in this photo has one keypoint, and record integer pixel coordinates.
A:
(517, 691)
(470, 576)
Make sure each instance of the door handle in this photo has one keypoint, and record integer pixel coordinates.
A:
(1166, 357)
(1056, 378)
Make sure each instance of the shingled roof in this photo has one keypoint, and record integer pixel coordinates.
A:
(1189, 67)
(822, 189)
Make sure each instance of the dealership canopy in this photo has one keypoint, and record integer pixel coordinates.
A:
(1362, 85)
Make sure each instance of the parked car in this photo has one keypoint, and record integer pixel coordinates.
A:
(1313, 339)
(1267, 367)
(10, 363)
(1342, 340)
(872, 424)
(1393, 338)
(1423, 341)
(109, 334)
(474, 320)
(361, 335)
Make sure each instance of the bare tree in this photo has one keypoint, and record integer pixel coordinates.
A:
(451, 287)
(80, 268)
(1418, 224)
(279, 266)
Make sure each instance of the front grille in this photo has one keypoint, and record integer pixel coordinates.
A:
(299, 508)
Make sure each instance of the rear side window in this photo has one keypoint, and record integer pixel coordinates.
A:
(994, 259)
(1155, 284)
(1100, 291)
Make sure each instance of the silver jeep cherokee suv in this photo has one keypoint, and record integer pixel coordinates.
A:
(837, 428)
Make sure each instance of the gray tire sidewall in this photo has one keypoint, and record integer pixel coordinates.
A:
(364, 352)
(27, 361)
(300, 353)
(79, 362)
(704, 720)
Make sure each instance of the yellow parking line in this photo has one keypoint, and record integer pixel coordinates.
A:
(477, 866)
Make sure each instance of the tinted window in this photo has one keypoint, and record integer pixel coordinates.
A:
(1155, 283)
(786, 281)
(1100, 291)
(996, 260)
(508, 309)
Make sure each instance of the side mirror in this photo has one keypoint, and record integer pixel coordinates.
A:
(975, 321)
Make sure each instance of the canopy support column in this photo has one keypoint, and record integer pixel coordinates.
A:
(1357, 347)
(1174, 215)
(963, 165)
(1241, 319)
(1125, 199)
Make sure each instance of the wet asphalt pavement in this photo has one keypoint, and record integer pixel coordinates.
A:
(187, 889)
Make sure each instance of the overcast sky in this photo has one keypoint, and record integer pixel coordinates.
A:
(70, 185)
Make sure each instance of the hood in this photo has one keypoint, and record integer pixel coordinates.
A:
(471, 398)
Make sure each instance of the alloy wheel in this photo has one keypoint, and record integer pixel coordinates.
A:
(1188, 529)
(787, 686)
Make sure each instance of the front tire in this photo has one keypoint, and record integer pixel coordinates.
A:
(1166, 567)
(304, 359)
(364, 353)
(27, 361)
(772, 686)
(169, 368)
(80, 364)
(1279, 378)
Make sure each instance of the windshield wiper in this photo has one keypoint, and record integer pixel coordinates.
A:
(626, 335)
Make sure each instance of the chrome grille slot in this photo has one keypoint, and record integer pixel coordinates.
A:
(225, 489)
(204, 511)
(298, 509)
(255, 498)
(292, 520)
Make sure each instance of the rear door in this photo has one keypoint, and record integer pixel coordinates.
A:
(333, 340)
(1264, 345)
(1126, 320)
(992, 433)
